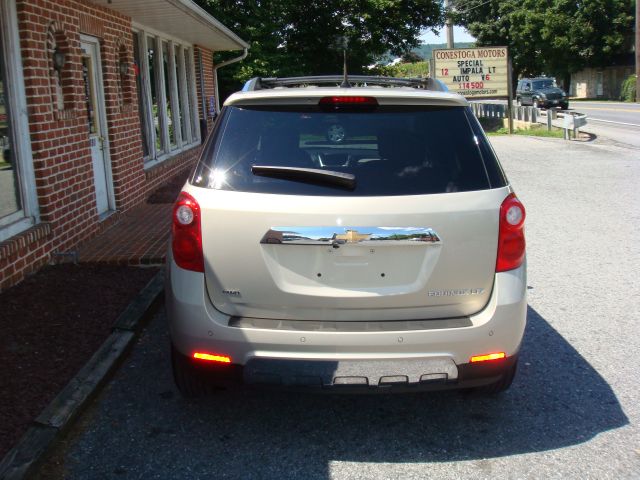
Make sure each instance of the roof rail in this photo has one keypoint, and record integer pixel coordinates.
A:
(259, 83)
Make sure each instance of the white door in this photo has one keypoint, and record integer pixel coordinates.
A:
(96, 120)
(599, 84)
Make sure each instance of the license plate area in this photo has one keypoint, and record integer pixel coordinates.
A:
(349, 267)
(329, 373)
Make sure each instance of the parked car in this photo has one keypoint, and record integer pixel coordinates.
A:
(347, 239)
(541, 92)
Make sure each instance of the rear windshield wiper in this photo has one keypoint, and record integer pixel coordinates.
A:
(307, 175)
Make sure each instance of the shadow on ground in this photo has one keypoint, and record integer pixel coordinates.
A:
(143, 427)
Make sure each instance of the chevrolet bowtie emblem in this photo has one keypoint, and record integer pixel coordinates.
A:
(351, 236)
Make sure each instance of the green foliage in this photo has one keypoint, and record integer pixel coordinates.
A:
(290, 37)
(412, 57)
(536, 131)
(628, 92)
(551, 36)
(405, 70)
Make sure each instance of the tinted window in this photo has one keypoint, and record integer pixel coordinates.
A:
(497, 177)
(391, 151)
(541, 84)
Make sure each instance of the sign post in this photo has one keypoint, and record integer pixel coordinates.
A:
(481, 72)
(510, 93)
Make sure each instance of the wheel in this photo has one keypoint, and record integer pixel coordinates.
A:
(189, 380)
(564, 106)
(535, 103)
(501, 385)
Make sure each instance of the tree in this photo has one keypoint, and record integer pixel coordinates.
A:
(411, 57)
(290, 37)
(556, 37)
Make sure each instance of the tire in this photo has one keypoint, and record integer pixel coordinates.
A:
(191, 381)
(501, 385)
(564, 106)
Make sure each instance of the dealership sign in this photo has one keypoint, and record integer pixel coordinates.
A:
(474, 72)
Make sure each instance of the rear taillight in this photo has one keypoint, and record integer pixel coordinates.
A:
(511, 243)
(186, 240)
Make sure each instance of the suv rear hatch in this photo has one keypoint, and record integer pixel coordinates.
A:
(285, 236)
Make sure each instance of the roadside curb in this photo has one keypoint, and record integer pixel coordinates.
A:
(59, 415)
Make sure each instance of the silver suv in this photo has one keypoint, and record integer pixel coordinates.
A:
(351, 239)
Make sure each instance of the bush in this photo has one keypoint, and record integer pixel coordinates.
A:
(628, 92)
(404, 70)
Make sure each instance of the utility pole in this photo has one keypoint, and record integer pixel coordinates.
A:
(638, 51)
(449, 26)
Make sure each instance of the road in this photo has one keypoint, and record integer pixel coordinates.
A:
(572, 413)
(610, 123)
(609, 112)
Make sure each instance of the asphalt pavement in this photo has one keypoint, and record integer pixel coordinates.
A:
(610, 123)
(573, 411)
(614, 123)
(609, 112)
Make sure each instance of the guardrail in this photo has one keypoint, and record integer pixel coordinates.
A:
(489, 110)
(499, 110)
(571, 121)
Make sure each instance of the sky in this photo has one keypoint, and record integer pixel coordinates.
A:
(459, 35)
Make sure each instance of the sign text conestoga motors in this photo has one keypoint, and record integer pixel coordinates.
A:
(474, 72)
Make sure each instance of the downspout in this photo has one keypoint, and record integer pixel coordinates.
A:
(204, 97)
(203, 120)
(215, 74)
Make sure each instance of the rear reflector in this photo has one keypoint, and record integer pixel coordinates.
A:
(348, 100)
(487, 357)
(212, 357)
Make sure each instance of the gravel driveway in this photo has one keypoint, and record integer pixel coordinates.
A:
(572, 412)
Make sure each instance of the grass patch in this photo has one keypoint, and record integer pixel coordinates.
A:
(494, 126)
(540, 131)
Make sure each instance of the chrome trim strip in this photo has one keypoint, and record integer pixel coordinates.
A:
(350, 326)
(370, 236)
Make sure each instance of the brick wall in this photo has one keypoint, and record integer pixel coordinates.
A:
(24, 254)
(59, 136)
(206, 56)
(59, 130)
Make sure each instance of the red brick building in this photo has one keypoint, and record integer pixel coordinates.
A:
(101, 101)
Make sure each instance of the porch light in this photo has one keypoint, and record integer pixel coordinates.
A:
(59, 58)
(124, 68)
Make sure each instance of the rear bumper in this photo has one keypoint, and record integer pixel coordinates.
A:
(320, 376)
(420, 359)
(553, 103)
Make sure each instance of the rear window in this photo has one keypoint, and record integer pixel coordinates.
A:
(390, 150)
